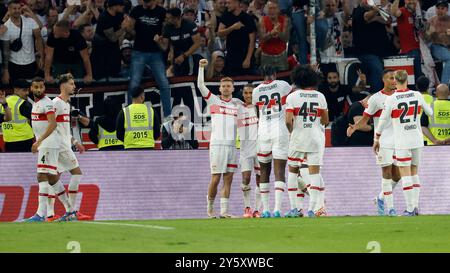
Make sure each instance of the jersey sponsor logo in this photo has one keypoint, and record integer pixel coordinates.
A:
(63, 118)
(221, 110)
(247, 121)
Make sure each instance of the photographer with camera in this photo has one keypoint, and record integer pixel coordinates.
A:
(19, 41)
(179, 134)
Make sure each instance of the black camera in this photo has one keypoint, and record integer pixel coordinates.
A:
(75, 113)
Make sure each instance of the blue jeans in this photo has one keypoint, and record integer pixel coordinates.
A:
(139, 60)
(373, 66)
(417, 62)
(299, 25)
(442, 53)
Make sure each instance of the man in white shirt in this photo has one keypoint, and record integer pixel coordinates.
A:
(222, 150)
(403, 109)
(306, 118)
(20, 40)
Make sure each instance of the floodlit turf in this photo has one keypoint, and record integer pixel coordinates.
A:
(332, 234)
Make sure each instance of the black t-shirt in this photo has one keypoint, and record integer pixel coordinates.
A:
(238, 40)
(358, 138)
(149, 22)
(107, 21)
(67, 51)
(369, 38)
(181, 38)
(335, 100)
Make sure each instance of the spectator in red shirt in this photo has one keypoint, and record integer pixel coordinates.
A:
(409, 25)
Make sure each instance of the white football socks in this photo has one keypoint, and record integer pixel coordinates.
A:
(62, 196)
(43, 196)
(73, 189)
(416, 190)
(314, 192)
(51, 201)
(408, 192)
(246, 191)
(279, 192)
(265, 190)
(386, 188)
(257, 199)
(292, 189)
(223, 206)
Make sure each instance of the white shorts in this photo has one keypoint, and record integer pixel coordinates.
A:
(48, 161)
(276, 148)
(222, 159)
(408, 157)
(249, 164)
(386, 157)
(296, 158)
(67, 161)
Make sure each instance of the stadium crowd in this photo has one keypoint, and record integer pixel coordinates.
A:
(98, 40)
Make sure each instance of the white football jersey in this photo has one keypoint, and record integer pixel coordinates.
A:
(270, 98)
(62, 111)
(308, 133)
(404, 108)
(375, 107)
(39, 122)
(247, 124)
(223, 119)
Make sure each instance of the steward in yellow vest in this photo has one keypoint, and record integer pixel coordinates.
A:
(103, 132)
(136, 125)
(17, 133)
(437, 126)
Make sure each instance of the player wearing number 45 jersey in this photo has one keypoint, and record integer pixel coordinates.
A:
(222, 150)
(273, 136)
(403, 109)
(47, 146)
(306, 118)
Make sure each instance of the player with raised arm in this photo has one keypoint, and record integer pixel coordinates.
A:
(222, 148)
(47, 146)
(273, 136)
(306, 118)
(67, 161)
(248, 132)
(385, 157)
(403, 109)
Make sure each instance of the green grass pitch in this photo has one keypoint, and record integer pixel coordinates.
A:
(326, 234)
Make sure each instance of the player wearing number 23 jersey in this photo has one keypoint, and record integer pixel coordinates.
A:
(273, 136)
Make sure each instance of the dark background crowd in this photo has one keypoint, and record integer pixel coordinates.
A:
(104, 40)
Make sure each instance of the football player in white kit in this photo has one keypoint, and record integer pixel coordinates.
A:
(273, 136)
(385, 156)
(248, 160)
(222, 147)
(403, 109)
(47, 146)
(67, 161)
(306, 118)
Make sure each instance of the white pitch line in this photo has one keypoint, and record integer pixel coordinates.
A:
(130, 225)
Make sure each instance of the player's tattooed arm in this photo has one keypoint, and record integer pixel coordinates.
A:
(289, 120)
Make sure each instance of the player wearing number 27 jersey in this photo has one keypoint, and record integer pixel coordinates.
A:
(403, 108)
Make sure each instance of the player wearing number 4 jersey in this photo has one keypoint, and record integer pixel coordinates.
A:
(47, 146)
(222, 150)
(67, 161)
(403, 109)
(385, 156)
(273, 136)
(306, 118)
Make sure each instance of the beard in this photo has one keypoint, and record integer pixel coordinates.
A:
(333, 84)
